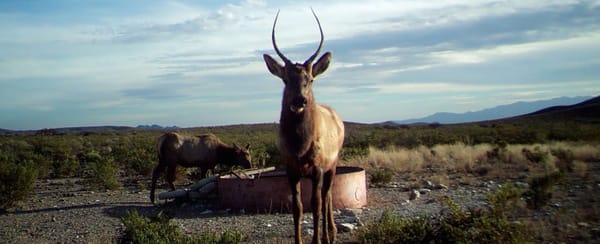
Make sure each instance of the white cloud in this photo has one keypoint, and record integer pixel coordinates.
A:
(483, 55)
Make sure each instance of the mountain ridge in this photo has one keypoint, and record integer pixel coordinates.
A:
(494, 113)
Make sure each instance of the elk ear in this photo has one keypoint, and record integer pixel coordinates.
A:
(274, 67)
(321, 65)
(248, 146)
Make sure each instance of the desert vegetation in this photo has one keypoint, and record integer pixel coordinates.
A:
(545, 156)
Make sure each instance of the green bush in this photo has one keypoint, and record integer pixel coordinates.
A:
(380, 176)
(16, 182)
(535, 156)
(540, 189)
(140, 229)
(489, 225)
(142, 161)
(104, 172)
(393, 229)
(349, 152)
(565, 159)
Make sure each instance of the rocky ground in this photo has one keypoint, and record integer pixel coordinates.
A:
(66, 211)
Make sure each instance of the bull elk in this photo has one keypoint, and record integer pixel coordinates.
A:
(310, 137)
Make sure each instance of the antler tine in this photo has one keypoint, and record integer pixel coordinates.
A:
(312, 58)
(285, 60)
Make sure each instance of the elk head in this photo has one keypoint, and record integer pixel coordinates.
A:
(298, 78)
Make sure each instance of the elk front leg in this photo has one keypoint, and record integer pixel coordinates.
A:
(296, 206)
(316, 202)
(171, 174)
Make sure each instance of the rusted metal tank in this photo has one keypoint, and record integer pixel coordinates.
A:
(270, 192)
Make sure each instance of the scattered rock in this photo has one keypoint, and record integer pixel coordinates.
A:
(423, 191)
(427, 184)
(414, 194)
(441, 187)
(351, 212)
(346, 227)
(521, 185)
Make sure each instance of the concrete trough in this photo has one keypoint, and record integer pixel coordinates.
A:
(269, 192)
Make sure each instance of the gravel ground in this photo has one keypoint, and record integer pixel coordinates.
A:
(65, 211)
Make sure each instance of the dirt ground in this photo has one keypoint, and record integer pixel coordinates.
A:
(67, 211)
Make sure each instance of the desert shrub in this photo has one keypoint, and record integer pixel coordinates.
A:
(498, 153)
(141, 161)
(16, 182)
(103, 171)
(390, 228)
(489, 225)
(540, 189)
(65, 166)
(58, 152)
(140, 229)
(565, 159)
(353, 152)
(505, 200)
(535, 156)
(380, 176)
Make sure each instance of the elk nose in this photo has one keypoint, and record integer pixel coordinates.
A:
(300, 101)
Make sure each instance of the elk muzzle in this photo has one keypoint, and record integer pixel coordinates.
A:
(299, 104)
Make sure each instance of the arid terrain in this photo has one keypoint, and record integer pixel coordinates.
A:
(65, 211)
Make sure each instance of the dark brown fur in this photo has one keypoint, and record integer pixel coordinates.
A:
(204, 151)
(310, 138)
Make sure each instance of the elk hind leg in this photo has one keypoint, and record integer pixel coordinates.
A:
(158, 171)
(328, 220)
(317, 201)
(171, 171)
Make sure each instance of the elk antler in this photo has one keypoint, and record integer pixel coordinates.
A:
(285, 60)
(312, 58)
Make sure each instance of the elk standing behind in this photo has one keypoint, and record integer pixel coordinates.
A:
(204, 151)
(310, 137)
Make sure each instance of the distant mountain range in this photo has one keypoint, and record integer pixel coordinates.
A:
(499, 112)
(157, 127)
(90, 129)
(582, 109)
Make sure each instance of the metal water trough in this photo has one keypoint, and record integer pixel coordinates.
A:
(270, 192)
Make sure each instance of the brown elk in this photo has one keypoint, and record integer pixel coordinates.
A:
(310, 137)
(204, 151)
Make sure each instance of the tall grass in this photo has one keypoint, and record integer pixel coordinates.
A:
(460, 157)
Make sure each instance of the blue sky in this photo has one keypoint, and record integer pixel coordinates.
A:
(199, 63)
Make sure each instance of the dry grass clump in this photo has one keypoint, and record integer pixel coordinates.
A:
(451, 157)
(459, 157)
(580, 168)
(480, 158)
(395, 159)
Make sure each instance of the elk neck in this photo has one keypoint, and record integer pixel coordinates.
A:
(297, 130)
(226, 154)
